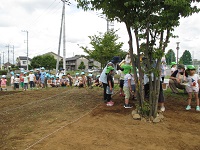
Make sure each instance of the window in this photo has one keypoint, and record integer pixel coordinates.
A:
(24, 62)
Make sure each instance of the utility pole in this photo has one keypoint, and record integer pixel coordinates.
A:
(64, 50)
(8, 53)
(177, 48)
(27, 47)
(62, 27)
(0, 61)
(3, 58)
(13, 55)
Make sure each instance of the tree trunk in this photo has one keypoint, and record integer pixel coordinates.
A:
(133, 61)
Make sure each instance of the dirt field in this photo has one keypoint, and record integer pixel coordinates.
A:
(77, 119)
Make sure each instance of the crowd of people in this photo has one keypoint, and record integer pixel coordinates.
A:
(180, 78)
(41, 79)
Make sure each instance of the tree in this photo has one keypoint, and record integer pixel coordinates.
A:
(152, 23)
(186, 58)
(170, 57)
(104, 47)
(36, 62)
(47, 61)
(81, 66)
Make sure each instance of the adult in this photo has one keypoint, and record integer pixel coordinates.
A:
(103, 77)
(177, 79)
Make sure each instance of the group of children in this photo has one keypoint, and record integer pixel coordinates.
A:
(42, 79)
(127, 85)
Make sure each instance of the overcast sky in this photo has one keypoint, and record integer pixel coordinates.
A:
(41, 18)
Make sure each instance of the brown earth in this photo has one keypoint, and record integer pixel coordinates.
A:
(77, 119)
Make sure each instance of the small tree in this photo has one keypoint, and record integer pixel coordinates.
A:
(104, 47)
(170, 57)
(186, 58)
(81, 66)
(47, 61)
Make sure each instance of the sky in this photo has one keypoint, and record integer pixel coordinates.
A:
(42, 20)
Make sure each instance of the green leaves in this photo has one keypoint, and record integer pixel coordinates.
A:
(104, 47)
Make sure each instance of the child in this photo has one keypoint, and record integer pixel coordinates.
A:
(53, 84)
(43, 77)
(3, 82)
(76, 79)
(110, 86)
(192, 86)
(12, 80)
(63, 81)
(31, 79)
(96, 82)
(16, 82)
(21, 76)
(127, 85)
(121, 82)
(83, 80)
(70, 79)
(26, 80)
(37, 78)
(89, 80)
(57, 82)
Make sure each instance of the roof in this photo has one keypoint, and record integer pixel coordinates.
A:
(53, 54)
(73, 58)
(24, 58)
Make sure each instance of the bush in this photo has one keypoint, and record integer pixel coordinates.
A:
(3, 72)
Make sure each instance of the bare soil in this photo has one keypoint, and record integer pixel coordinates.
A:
(77, 119)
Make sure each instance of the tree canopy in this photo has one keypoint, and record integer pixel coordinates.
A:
(104, 47)
(170, 57)
(186, 58)
(81, 66)
(47, 61)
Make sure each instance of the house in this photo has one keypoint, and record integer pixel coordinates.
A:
(54, 55)
(93, 64)
(7, 65)
(73, 63)
(22, 61)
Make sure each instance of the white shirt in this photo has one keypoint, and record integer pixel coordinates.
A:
(128, 59)
(31, 77)
(16, 80)
(103, 76)
(192, 79)
(25, 79)
(121, 75)
(126, 78)
(12, 79)
(173, 69)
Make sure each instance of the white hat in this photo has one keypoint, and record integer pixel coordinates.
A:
(3, 76)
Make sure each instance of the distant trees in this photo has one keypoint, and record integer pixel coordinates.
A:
(47, 61)
(170, 57)
(186, 58)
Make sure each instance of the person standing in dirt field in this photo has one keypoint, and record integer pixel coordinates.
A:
(192, 86)
(31, 79)
(37, 78)
(21, 76)
(127, 85)
(103, 77)
(42, 77)
(110, 86)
